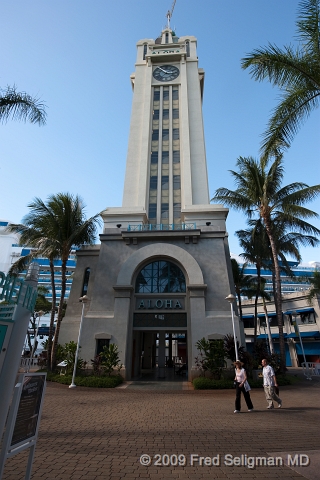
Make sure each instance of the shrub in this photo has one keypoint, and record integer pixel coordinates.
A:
(87, 381)
(211, 356)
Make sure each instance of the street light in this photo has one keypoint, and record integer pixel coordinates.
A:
(84, 300)
(231, 298)
(297, 330)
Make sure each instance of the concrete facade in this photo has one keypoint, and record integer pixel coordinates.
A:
(165, 217)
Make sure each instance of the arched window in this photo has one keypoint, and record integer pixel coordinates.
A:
(85, 282)
(161, 277)
(188, 48)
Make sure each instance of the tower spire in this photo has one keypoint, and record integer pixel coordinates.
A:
(170, 12)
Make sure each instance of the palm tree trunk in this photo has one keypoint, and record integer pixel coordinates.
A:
(60, 311)
(277, 295)
(53, 311)
(256, 304)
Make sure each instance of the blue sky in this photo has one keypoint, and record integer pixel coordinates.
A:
(77, 56)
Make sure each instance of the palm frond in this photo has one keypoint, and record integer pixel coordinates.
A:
(21, 106)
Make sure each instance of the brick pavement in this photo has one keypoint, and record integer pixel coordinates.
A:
(95, 434)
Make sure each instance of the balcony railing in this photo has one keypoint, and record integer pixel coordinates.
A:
(161, 227)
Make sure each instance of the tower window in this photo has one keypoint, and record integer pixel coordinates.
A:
(144, 51)
(165, 95)
(165, 114)
(175, 113)
(176, 210)
(188, 48)
(152, 210)
(165, 157)
(165, 182)
(176, 182)
(155, 135)
(153, 182)
(156, 95)
(165, 134)
(175, 134)
(176, 156)
(175, 94)
(154, 157)
(161, 277)
(85, 282)
(167, 37)
(164, 210)
(155, 115)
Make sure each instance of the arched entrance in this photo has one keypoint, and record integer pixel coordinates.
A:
(160, 321)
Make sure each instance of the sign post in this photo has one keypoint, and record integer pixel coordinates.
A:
(24, 418)
(20, 297)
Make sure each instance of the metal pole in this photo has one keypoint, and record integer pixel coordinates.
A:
(231, 299)
(84, 300)
(297, 329)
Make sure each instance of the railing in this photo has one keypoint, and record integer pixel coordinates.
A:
(26, 363)
(161, 227)
(311, 368)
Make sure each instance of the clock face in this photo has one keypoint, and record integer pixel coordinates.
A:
(166, 73)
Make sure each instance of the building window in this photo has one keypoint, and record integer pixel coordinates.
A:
(165, 182)
(165, 134)
(165, 157)
(175, 113)
(155, 115)
(155, 135)
(165, 114)
(165, 95)
(188, 48)
(176, 210)
(153, 182)
(156, 95)
(161, 277)
(176, 156)
(144, 51)
(164, 210)
(175, 94)
(167, 37)
(175, 134)
(85, 282)
(154, 157)
(152, 210)
(102, 342)
(176, 182)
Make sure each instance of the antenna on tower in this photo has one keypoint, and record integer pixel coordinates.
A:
(170, 12)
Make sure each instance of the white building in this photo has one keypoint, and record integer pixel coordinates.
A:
(162, 272)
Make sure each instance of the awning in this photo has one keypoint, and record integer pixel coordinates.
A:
(273, 335)
(314, 334)
(246, 317)
(262, 315)
(301, 310)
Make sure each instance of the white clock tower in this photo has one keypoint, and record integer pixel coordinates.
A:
(158, 281)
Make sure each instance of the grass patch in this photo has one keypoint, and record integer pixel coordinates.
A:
(202, 383)
(89, 381)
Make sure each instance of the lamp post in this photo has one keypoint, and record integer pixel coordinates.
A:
(231, 298)
(84, 300)
(297, 330)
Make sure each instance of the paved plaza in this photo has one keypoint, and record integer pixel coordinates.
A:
(97, 434)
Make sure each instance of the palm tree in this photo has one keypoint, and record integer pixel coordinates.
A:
(259, 193)
(54, 228)
(21, 106)
(242, 282)
(315, 286)
(296, 72)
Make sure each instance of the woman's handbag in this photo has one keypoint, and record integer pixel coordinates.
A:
(247, 386)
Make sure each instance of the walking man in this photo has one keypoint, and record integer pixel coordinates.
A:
(269, 384)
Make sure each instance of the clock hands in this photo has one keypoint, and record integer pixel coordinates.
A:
(165, 71)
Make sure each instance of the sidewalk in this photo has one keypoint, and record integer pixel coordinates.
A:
(96, 434)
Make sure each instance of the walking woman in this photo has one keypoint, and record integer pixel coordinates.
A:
(242, 385)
